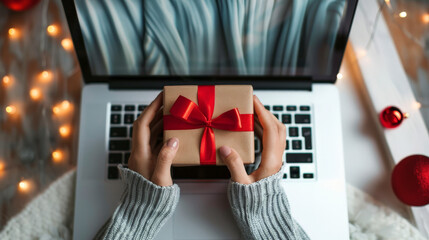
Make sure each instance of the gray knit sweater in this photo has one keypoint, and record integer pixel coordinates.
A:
(260, 209)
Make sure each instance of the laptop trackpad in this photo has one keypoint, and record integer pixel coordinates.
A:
(204, 216)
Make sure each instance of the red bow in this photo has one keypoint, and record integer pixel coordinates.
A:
(186, 114)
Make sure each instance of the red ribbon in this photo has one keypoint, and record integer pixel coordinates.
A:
(186, 114)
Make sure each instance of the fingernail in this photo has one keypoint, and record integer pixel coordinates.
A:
(224, 151)
(173, 142)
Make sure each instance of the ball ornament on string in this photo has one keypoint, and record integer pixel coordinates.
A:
(392, 117)
(19, 5)
(410, 180)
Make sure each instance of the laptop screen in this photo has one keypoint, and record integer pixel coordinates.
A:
(212, 37)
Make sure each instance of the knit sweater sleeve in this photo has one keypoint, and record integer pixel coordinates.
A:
(143, 209)
(262, 211)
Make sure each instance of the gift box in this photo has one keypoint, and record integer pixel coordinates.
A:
(205, 118)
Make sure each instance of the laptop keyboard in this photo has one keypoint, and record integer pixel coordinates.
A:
(122, 117)
(299, 150)
(298, 155)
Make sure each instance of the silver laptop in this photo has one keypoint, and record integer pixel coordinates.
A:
(290, 51)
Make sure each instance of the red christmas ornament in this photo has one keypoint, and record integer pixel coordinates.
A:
(410, 180)
(19, 5)
(391, 117)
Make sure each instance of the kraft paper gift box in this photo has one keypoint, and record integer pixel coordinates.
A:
(204, 118)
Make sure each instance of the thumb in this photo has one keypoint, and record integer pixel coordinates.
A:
(161, 175)
(235, 165)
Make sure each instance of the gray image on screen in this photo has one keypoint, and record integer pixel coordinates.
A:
(210, 37)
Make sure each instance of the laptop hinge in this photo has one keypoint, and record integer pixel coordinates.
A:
(257, 83)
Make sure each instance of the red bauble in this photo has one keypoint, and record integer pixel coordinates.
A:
(391, 117)
(410, 180)
(19, 5)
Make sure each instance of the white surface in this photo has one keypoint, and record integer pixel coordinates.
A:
(386, 84)
(367, 162)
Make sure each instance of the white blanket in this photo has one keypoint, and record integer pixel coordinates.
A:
(50, 216)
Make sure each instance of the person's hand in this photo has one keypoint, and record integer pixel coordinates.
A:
(274, 142)
(149, 156)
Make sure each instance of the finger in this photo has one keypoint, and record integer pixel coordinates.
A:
(235, 165)
(161, 175)
(158, 117)
(149, 113)
(156, 133)
(265, 117)
(141, 130)
(258, 128)
(271, 152)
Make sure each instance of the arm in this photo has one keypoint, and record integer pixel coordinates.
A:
(149, 197)
(262, 211)
(258, 202)
(143, 209)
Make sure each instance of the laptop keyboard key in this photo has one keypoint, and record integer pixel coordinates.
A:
(115, 118)
(278, 108)
(287, 145)
(115, 158)
(284, 175)
(293, 132)
(308, 175)
(118, 132)
(294, 172)
(286, 118)
(116, 108)
(306, 133)
(299, 157)
(112, 172)
(291, 108)
(296, 144)
(267, 107)
(304, 108)
(131, 132)
(302, 118)
(128, 118)
(119, 145)
(130, 107)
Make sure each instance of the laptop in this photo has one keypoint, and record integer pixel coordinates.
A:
(289, 51)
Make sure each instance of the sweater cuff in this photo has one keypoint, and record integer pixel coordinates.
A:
(261, 209)
(269, 185)
(143, 209)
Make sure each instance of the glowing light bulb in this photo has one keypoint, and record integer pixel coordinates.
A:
(406, 115)
(403, 14)
(2, 166)
(62, 107)
(57, 155)
(425, 18)
(7, 81)
(24, 186)
(35, 94)
(417, 105)
(67, 44)
(65, 131)
(13, 33)
(65, 104)
(45, 76)
(56, 110)
(52, 30)
(339, 76)
(10, 109)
